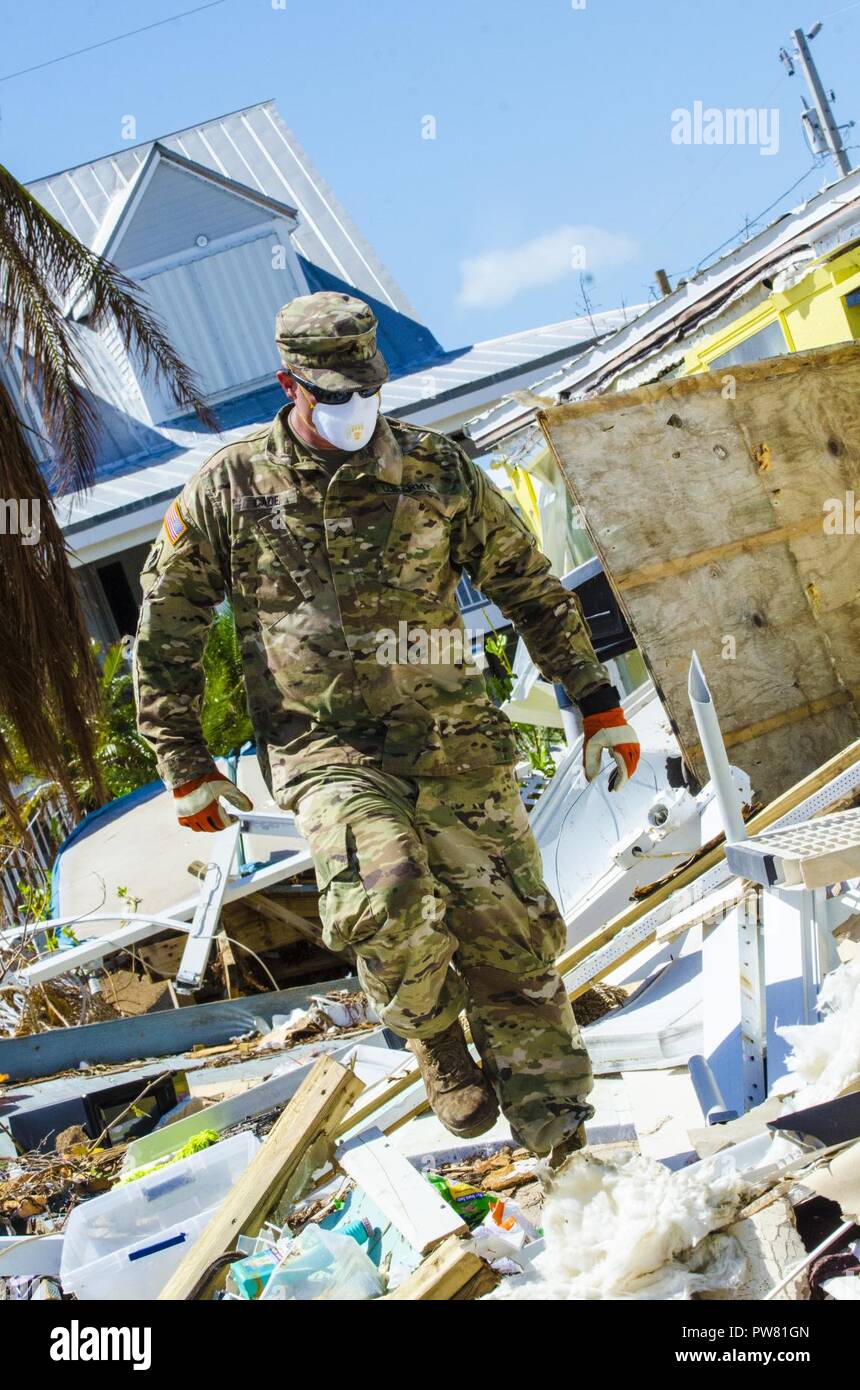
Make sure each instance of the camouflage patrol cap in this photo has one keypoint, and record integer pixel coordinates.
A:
(330, 340)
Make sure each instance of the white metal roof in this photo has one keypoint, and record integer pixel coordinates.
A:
(499, 358)
(252, 147)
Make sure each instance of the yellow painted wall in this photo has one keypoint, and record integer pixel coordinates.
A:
(811, 314)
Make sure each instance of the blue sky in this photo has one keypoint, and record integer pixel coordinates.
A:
(552, 126)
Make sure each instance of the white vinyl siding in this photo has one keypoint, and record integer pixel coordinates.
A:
(219, 312)
(176, 207)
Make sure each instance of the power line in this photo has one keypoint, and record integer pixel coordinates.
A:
(844, 10)
(748, 226)
(49, 62)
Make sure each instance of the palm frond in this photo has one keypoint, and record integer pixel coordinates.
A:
(45, 267)
(47, 677)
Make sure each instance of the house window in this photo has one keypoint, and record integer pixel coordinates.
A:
(767, 342)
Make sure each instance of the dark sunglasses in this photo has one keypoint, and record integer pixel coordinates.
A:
(334, 397)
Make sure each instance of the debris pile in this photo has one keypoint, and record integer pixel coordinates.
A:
(626, 1227)
(279, 1146)
(37, 1191)
(65, 1002)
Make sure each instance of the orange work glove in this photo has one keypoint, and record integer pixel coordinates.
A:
(197, 802)
(609, 729)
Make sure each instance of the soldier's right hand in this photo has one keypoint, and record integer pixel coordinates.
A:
(197, 802)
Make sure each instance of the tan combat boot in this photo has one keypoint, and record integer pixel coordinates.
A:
(575, 1138)
(456, 1087)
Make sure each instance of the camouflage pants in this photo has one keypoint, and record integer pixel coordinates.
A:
(436, 884)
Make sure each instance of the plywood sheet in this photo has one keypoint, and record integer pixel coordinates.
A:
(708, 500)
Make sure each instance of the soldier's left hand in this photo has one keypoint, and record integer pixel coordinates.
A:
(610, 730)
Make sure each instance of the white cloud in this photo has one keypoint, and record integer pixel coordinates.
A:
(496, 277)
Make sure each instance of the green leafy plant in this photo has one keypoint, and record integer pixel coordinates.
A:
(499, 673)
(224, 716)
(533, 740)
(124, 761)
(130, 901)
(534, 743)
(34, 900)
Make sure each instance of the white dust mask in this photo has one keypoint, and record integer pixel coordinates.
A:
(347, 426)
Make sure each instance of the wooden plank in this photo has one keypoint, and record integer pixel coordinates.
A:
(386, 1101)
(411, 1203)
(708, 509)
(787, 717)
(312, 1115)
(377, 1096)
(275, 910)
(664, 569)
(451, 1271)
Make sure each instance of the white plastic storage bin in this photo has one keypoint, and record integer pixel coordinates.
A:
(127, 1243)
(324, 1265)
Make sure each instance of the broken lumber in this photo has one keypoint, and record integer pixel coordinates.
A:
(136, 926)
(312, 1115)
(283, 916)
(411, 1203)
(452, 1271)
(256, 933)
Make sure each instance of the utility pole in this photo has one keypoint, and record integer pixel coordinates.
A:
(825, 125)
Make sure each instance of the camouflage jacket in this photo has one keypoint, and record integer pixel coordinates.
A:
(321, 573)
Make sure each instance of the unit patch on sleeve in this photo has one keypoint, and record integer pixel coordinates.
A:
(175, 524)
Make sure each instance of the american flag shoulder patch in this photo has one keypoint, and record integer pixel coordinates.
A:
(175, 524)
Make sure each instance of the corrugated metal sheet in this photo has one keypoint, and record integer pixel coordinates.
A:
(130, 492)
(662, 332)
(824, 222)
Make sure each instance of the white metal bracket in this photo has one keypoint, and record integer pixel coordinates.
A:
(204, 924)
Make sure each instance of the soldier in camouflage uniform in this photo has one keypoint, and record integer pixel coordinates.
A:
(398, 766)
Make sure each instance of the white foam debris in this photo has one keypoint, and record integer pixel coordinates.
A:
(826, 1055)
(628, 1228)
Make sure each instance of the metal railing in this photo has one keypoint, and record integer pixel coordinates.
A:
(28, 860)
